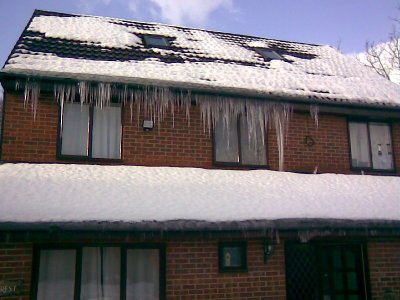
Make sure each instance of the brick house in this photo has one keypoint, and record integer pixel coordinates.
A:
(147, 161)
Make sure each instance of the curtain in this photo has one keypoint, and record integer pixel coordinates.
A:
(252, 145)
(56, 275)
(142, 278)
(106, 142)
(360, 155)
(100, 273)
(381, 146)
(226, 140)
(75, 129)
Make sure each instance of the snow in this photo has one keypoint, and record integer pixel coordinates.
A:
(85, 29)
(329, 76)
(76, 193)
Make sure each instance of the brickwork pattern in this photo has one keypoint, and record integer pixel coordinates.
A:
(16, 264)
(192, 273)
(384, 266)
(174, 142)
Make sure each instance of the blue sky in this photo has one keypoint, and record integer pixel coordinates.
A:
(346, 24)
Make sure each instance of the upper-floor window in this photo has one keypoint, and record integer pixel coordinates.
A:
(236, 144)
(156, 41)
(371, 145)
(91, 132)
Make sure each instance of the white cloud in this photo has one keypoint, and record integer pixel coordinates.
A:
(88, 6)
(183, 12)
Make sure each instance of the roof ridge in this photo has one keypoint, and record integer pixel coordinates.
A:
(47, 12)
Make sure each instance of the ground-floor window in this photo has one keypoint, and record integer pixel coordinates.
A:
(325, 271)
(99, 272)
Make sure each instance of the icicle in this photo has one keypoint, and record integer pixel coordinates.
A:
(314, 112)
(31, 95)
(256, 114)
(280, 116)
(84, 91)
(64, 93)
(17, 85)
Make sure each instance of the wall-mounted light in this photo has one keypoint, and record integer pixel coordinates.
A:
(268, 249)
(147, 125)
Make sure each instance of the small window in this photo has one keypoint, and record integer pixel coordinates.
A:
(269, 54)
(232, 256)
(91, 132)
(155, 41)
(235, 143)
(371, 145)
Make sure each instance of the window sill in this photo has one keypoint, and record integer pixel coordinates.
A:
(72, 158)
(368, 171)
(222, 165)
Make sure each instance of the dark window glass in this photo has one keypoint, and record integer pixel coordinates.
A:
(317, 271)
(155, 41)
(232, 256)
(269, 54)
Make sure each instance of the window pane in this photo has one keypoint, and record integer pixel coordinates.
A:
(352, 281)
(360, 155)
(226, 140)
(142, 276)
(232, 257)
(350, 259)
(156, 41)
(252, 145)
(100, 273)
(106, 142)
(56, 275)
(381, 146)
(75, 129)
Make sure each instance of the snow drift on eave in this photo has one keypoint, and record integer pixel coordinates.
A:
(330, 75)
(82, 193)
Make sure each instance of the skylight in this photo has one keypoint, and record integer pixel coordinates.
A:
(155, 41)
(269, 54)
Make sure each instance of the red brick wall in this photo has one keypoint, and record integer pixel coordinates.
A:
(192, 273)
(26, 139)
(329, 153)
(192, 270)
(16, 264)
(384, 266)
(173, 143)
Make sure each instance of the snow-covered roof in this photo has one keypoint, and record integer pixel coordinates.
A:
(106, 49)
(155, 196)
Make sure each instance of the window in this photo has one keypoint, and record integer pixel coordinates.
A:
(269, 54)
(155, 41)
(371, 145)
(325, 271)
(91, 132)
(99, 273)
(235, 144)
(232, 256)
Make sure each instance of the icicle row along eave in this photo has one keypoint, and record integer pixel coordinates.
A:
(155, 102)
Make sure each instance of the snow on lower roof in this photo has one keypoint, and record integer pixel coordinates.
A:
(32, 193)
(55, 45)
